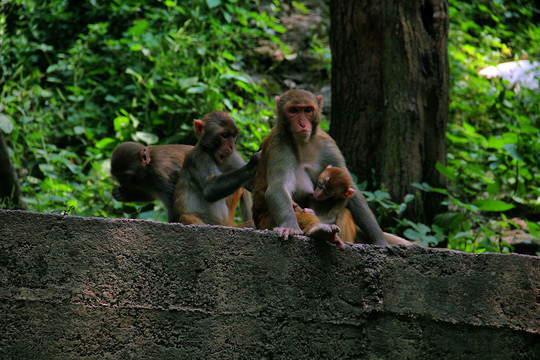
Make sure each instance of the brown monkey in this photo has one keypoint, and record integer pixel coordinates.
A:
(330, 197)
(147, 173)
(332, 190)
(293, 155)
(202, 186)
(231, 163)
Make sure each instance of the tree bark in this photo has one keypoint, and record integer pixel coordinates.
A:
(390, 94)
(10, 191)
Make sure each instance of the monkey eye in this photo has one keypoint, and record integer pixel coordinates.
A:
(308, 110)
(293, 110)
(229, 135)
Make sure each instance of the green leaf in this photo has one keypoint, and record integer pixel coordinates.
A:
(196, 90)
(6, 124)
(79, 130)
(213, 3)
(101, 144)
(412, 235)
(188, 82)
(492, 205)
(146, 137)
(447, 171)
(121, 122)
(513, 151)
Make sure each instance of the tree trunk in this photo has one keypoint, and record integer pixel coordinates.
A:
(390, 94)
(10, 191)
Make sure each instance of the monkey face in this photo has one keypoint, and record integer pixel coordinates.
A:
(227, 146)
(301, 118)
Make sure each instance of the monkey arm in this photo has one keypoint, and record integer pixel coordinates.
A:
(234, 162)
(123, 194)
(364, 218)
(221, 186)
(246, 205)
(281, 183)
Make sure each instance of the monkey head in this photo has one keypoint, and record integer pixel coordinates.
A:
(128, 163)
(299, 112)
(333, 183)
(218, 133)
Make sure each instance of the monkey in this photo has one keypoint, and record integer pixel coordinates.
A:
(202, 186)
(147, 173)
(293, 155)
(329, 201)
(231, 163)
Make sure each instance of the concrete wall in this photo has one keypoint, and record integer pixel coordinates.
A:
(93, 288)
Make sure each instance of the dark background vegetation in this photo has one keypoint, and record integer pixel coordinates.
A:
(78, 78)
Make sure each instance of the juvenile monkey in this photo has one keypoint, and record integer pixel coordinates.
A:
(330, 197)
(147, 173)
(293, 155)
(231, 163)
(202, 186)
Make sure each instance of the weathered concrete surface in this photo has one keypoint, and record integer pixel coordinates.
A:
(73, 288)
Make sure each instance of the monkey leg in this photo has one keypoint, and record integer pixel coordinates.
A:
(190, 219)
(247, 224)
(346, 223)
(312, 227)
(232, 201)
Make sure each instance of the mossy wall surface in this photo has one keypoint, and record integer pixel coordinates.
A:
(93, 288)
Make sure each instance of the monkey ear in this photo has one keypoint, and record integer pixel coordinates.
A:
(277, 100)
(350, 192)
(198, 125)
(329, 166)
(319, 100)
(145, 156)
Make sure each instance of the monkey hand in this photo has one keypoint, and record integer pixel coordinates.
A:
(286, 232)
(298, 209)
(119, 193)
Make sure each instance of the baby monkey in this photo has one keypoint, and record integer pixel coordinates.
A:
(329, 201)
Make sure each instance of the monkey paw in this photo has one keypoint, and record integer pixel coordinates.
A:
(338, 242)
(119, 194)
(323, 232)
(286, 232)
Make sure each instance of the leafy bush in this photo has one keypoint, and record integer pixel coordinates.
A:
(493, 164)
(79, 79)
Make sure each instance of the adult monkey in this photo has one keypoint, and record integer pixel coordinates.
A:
(293, 155)
(202, 186)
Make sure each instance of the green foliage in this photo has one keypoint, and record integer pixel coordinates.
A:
(78, 79)
(493, 164)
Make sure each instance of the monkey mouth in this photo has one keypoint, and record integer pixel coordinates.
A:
(221, 156)
(303, 134)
